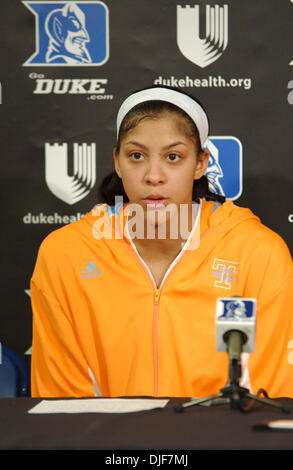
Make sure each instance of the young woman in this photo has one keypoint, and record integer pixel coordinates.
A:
(124, 300)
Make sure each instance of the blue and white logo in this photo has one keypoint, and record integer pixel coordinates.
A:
(225, 166)
(70, 33)
(237, 309)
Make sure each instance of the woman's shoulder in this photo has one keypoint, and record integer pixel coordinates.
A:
(70, 236)
(63, 234)
(242, 223)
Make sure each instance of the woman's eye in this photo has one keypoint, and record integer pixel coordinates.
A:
(135, 156)
(174, 157)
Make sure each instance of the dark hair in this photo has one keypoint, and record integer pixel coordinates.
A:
(112, 185)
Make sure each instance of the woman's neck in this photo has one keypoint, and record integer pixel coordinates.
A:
(155, 235)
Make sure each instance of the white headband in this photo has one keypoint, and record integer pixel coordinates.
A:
(190, 106)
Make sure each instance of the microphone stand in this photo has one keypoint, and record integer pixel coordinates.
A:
(234, 394)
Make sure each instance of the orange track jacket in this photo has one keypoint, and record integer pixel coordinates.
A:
(101, 326)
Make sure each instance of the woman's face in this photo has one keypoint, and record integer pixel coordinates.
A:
(158, 162)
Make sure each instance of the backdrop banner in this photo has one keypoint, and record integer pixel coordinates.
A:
(65, 68)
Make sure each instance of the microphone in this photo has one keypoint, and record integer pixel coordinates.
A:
(235, 333)
(235, 330)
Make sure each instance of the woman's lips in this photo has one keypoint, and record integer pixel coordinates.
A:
(155, 202)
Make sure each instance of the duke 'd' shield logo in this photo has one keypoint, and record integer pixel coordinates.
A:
(70, 33)
(225, 166)
(201, 49)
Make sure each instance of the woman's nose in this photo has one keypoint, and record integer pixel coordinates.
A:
(154, 173)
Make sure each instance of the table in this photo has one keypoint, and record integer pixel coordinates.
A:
(199, 428)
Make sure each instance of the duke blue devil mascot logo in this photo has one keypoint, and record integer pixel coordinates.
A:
(237, 309)
(70, 33)
(225, 166)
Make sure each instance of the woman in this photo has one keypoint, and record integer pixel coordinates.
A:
(124, 300)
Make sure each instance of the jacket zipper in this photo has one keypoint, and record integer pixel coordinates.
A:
(157, 295)
(156, 304)
(155, 340)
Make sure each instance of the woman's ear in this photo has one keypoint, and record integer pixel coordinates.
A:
(202, 164)
(116, 162)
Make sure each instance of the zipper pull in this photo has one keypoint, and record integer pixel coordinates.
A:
(157, 294)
